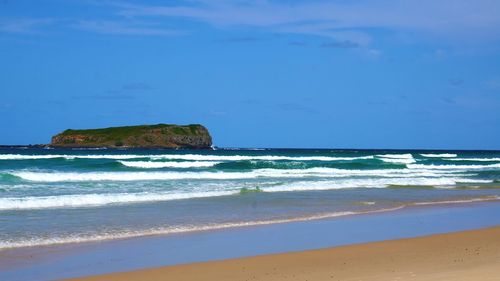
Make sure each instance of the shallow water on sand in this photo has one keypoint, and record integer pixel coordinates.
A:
(62, 196)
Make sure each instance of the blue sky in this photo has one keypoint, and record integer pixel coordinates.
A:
(322, 74)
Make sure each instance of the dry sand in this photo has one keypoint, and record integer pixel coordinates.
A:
(469, 255)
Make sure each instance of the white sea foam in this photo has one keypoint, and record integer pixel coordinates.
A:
(441, 155)
(151, 164)
(396, 156)
(453, 167)
(69, 156)
(398, 160)
(191, 157)
(26, 157)
(473, 181)
(259, 173)
(87, 200)
(198, 157)
(476, 159)
(128, 176)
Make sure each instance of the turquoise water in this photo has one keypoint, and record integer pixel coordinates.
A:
(53, 196)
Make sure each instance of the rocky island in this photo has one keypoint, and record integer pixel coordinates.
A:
(144, 136)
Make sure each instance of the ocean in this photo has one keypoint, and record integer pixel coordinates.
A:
(56, 196)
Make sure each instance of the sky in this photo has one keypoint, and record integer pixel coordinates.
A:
(300, 74)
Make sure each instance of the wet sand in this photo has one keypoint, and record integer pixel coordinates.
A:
(468, 255)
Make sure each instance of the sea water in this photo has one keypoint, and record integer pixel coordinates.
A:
(54, 196)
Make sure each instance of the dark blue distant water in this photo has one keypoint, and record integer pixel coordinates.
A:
(50, 196)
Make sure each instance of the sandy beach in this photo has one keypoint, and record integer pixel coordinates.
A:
(468, 255)
(249, 140)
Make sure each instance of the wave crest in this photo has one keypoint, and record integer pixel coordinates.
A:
(88, 200)
(155, 165)
(190, 157)
(219, 175)
(397, 158)
(439, 155)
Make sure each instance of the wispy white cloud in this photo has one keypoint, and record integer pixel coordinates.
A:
(116, 27)
(344, 21)
(122, 28)
(455, 19)
(24, 25)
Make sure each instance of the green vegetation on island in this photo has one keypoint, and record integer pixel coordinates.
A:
(142, 136)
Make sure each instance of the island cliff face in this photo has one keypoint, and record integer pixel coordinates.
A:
(145, 136)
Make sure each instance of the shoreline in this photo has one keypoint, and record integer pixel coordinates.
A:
(249, 224)
(465, 255)
(83, 259)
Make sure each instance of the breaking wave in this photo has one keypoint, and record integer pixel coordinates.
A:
(191, 157)
(453, 167)
(397, 158)
(155, 165)
(442, 155)
(476, 159)
(429, 171)
(89, 200)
